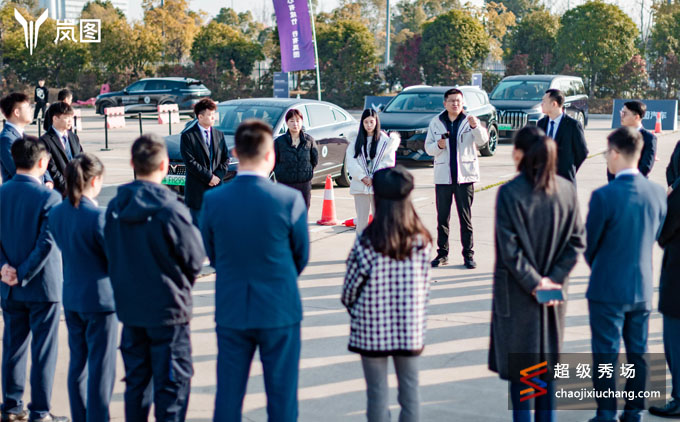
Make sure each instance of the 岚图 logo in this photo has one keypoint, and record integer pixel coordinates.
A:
(30, 29)
(530, 377)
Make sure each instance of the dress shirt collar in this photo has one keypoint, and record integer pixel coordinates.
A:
(17, 128)
(252, 173)
(628, 172)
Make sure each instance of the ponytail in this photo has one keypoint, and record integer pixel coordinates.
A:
(79, 172)
(539, 160)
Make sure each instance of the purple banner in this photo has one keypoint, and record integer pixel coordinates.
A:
(295, 35)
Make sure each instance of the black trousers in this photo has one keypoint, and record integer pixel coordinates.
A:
(305, 188)
(463, 194)
(38, 107)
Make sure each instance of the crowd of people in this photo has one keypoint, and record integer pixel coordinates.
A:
(135, 263)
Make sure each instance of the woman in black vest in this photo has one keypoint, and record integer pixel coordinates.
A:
(296, 156)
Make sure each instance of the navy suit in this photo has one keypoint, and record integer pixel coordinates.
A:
(647, 156)
(258, 249)
(623, 223)
(32, 306)
(155, 254)
(59, 156)
(7, 167)
(89, 308)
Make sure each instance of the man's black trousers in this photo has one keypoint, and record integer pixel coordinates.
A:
(463, 194)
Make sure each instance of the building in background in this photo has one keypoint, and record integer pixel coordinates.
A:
(70, 9)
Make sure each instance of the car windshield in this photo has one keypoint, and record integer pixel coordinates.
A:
(415, 102)
(232, 115)
(520, 90)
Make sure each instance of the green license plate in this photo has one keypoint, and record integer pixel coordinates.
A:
(504, 127)
(174, 180)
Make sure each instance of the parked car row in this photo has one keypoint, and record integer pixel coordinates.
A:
(514, 103)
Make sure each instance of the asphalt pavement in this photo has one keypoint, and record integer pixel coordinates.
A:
(455, 382)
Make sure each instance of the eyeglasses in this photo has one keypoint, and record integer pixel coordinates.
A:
(624, 112)
(453, 101)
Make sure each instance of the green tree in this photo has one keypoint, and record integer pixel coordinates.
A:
(596, 39)
(522, 8)
(665, 38)
(243, 22)
(412, 15)
(348, 62)
(453, 45)
(536, 37)
(59, 64)
(226, 45)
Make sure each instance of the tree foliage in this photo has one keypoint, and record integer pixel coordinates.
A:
(536, 37)
(224, 44)
(176, 23)
(521, 8)
(348, 62)
(453, 45)
(596, 39)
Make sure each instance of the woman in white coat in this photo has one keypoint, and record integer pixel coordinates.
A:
(365, 156)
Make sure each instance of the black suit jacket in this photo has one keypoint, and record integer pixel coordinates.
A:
(197, 160)
(58, 162)
(673, 169)
(647, 157)
(571, 146)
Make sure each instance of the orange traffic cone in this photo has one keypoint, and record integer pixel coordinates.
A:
(352, 222)
(328, 211)
(657, 127)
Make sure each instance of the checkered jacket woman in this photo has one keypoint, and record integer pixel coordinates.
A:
(386, 300)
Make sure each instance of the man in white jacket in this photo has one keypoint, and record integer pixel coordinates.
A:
(452, 139)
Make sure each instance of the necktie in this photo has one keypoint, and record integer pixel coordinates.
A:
(67, 148)
(207, 143)
(551, 132)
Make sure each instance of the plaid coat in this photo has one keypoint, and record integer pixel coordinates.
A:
(386, 300)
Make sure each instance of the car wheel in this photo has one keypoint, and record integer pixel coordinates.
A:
(103, 105)
(489, 149)
(581, 119)
(343, 179)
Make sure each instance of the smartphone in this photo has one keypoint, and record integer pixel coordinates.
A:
(545, 296)
(445, 135)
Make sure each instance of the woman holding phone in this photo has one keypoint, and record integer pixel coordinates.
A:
(539, 236)
(372, 150)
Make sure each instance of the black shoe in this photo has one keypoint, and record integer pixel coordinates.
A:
(670, 410)
(470, 264)
(51, 418)
(440, 261)
(15, 417)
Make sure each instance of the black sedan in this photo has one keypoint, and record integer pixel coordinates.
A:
(147, 94)
(410, 113)
(331, 126)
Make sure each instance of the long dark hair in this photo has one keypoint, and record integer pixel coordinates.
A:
(360, 145)
(539, 160)
(395, 228)
(79, 172)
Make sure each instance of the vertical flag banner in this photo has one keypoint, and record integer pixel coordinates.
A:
(295, 35)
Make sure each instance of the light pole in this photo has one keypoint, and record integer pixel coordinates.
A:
(387, 36)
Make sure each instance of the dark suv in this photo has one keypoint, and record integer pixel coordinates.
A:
(518, 100)
(411, 111)
(147, 94)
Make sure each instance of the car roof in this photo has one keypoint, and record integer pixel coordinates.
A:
(275, 102)
(538, 77)
(439, 89)
(171, 78)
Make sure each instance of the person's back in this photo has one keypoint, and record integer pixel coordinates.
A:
(31, 285)
(155, 254)
(24, 205)
(256, 237)
(631, 209)
(144, 236)
(257, 270)
(624, 219)
(79, 230)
